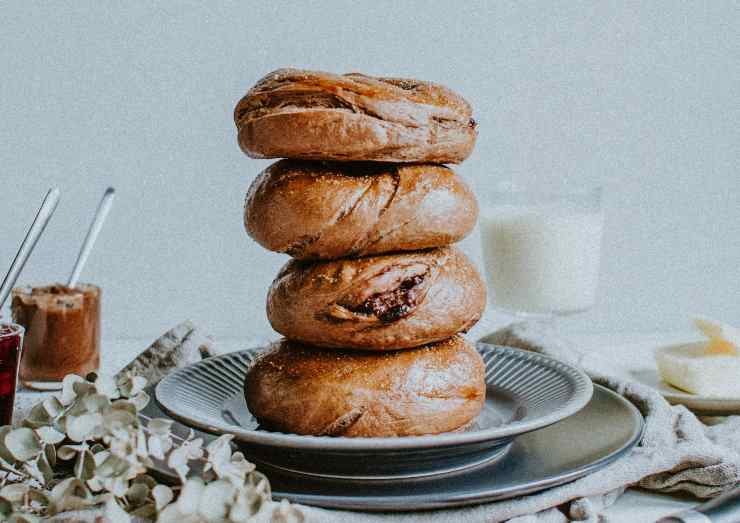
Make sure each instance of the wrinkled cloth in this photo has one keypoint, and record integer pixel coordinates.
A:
(678, 452)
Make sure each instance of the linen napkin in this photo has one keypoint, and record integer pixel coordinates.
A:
(678, 453)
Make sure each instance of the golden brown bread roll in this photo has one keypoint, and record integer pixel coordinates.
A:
(306, 390)
(322, 210)
(386, 302)
(313, 115)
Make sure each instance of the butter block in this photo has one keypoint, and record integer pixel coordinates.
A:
(691, 368)
(723, 339)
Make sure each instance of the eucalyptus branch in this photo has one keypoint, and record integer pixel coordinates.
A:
(90, 447)
(11, 472)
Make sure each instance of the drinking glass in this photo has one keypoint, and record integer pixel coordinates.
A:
(541, 249)
(11, 342)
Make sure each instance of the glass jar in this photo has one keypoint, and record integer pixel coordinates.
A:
(11, 341)
(62, 332)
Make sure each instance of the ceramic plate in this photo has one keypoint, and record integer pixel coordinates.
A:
(703, 405)
(606, 429)
(526, 391)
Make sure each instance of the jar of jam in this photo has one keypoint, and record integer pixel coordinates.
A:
(11, 341)
(62, 332)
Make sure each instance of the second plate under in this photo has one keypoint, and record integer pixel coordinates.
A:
(526, 391)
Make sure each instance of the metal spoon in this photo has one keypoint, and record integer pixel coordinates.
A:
(92, 234)
(44, 214)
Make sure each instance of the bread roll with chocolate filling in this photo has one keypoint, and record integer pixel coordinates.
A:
(322, 210)
(313, 115)
(387, 302)
(306, 390)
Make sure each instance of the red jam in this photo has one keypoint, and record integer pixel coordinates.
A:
(10, 351)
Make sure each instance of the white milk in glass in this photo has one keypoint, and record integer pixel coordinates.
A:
(542, 259)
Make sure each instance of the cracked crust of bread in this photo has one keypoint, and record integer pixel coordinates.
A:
(322, 303)
(315, 115)
(307, 390)
(328, 210)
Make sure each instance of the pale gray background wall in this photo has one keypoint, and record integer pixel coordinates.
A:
(642, 97)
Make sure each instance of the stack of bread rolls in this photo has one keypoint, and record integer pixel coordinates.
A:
(375, 297)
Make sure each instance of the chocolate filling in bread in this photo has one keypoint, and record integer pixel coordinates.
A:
(394, 304)
(386, 297)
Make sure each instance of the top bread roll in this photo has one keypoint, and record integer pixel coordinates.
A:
(327, 210)
(313, 115)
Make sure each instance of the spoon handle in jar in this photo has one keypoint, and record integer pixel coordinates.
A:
(44, 214)
(92, 234)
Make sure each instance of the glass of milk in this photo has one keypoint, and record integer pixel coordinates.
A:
(541, 249)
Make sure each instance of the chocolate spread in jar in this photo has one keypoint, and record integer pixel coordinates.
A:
(62, 332)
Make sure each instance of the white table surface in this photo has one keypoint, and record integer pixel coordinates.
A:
(116, 353)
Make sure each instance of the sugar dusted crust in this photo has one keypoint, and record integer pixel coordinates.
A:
(386, 302)
(306, 390)
(327, 210)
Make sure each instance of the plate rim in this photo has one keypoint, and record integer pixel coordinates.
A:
(424, 502)
(583, 390)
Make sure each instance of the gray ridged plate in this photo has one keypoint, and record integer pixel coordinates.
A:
(600, 433)
(526, 391)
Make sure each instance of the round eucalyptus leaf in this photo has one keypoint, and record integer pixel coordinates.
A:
(68, 392)
(37, 417)
(172, 514)
(83, 388)
(216, 500)
(124, 405)
(15, 492)
(106, 385)
(4, 452)
(113, 466)
(160, 426)
(247, 504)
(115, 420)
(6, 507)
(286, 513)
(67, 452)
(147, 512)
(140, 401)
(51, 455)
(68, 487)
(80, 428)
(23, 444)
(53, 406)
(84, 466)
(95, 402)
(147, 480)
(137, 494)
(162, 496)
(23, 518)
(45, 468)
(39, 497)
(49, 435)
(132, 385)
(189, 499)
